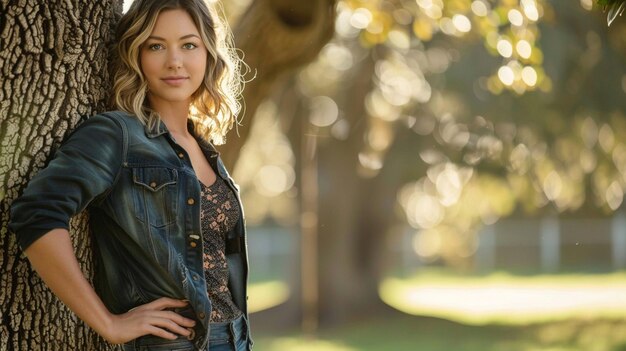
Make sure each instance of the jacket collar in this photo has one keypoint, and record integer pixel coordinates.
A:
(161, 129)
(156, 130)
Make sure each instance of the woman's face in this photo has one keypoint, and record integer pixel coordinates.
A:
(173, 59)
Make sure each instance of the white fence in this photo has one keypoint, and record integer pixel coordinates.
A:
(545, 245)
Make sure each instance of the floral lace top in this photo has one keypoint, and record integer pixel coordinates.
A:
(219, 213)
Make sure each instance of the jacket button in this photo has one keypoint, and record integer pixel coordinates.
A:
(193, 244)
(181, 155)
(191, 201)
(153, 184)
(192, 335)
(201, 315)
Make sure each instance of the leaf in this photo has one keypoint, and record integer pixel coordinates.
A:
(616, 9)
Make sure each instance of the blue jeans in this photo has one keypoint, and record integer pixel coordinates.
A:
(229, 336)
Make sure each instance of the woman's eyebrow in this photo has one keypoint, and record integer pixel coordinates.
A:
(181, 38)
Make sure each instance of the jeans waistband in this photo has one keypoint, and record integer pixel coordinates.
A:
(235, 329)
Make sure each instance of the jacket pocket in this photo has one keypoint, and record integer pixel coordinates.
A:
(155, 194)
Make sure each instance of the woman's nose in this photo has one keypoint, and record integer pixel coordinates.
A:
(174, 60)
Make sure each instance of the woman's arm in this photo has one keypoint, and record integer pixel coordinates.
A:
(82, 170)
(52, 256)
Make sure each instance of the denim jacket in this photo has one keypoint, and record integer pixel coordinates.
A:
(143, 199)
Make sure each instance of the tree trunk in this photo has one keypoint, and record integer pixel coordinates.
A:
(53, 64)
(354, 216)
(276, 36)
(352, 256)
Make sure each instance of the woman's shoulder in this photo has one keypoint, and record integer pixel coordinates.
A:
(110, 123)
(115, 119)
(118, 116)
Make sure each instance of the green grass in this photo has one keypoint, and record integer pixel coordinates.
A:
(264, 295)
(508, 299)
(409, 333)
(600, 327)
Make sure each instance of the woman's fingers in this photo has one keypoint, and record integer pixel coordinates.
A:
(180, 320)
(162, 333)
(151, 318)
(167, 319)
(173, 316)
(163, 303)
(170, 325)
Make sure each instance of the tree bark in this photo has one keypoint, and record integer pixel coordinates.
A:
(277, 36)
(53, 64)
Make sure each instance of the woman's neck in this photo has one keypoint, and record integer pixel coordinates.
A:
(174, 115)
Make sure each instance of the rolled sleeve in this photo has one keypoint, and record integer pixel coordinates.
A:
(84, 167)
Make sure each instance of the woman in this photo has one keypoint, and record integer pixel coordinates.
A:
(168, 228)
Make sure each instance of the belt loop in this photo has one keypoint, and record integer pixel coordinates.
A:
(245, 331)
(233, 336)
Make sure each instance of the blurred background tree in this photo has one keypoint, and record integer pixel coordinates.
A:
(443, 115)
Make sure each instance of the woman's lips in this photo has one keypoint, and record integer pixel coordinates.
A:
(174, 81)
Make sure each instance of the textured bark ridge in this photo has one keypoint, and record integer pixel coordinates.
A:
(53, 69)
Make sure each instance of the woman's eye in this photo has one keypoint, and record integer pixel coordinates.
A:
(190, 46)
(155, 47)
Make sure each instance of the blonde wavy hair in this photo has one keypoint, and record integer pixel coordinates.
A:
(215, 105)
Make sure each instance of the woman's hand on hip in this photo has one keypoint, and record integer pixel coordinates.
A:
(151, 318)
(52, 256)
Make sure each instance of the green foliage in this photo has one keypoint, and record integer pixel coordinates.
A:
(498, 108)
(608, 2)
